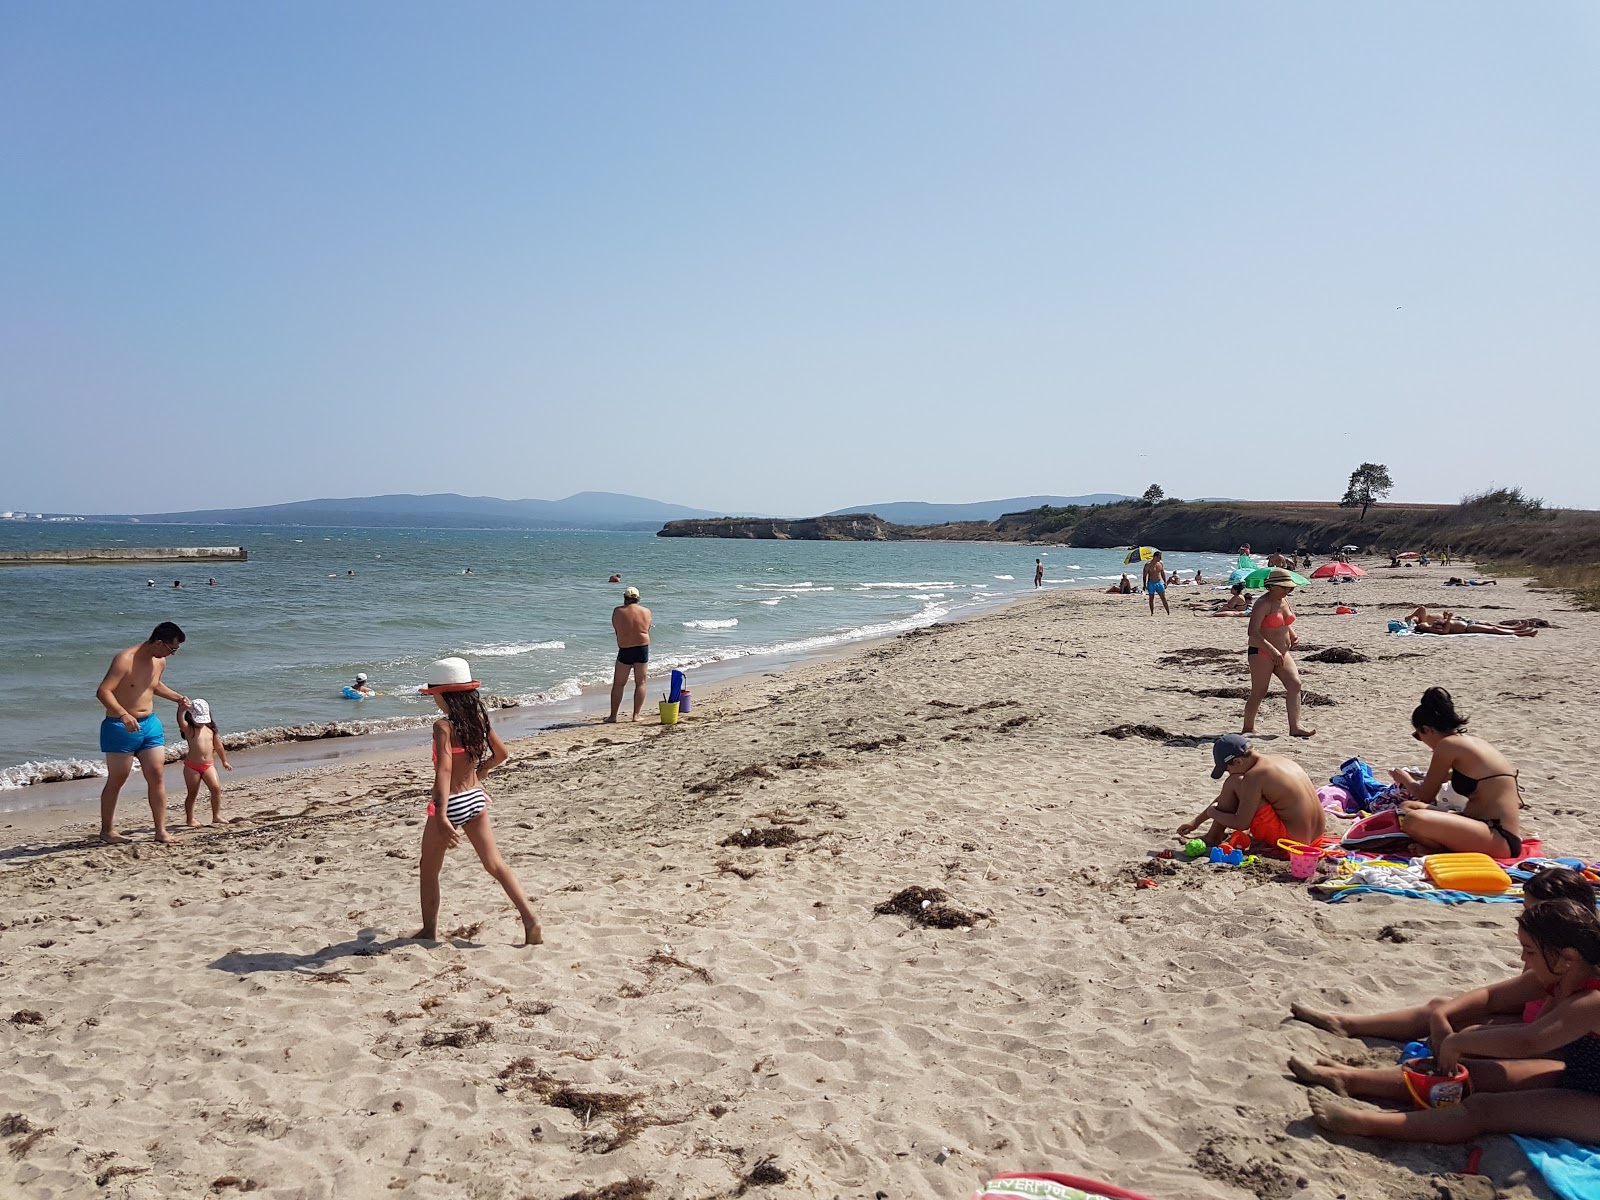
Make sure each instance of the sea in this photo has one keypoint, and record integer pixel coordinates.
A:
(273, 641)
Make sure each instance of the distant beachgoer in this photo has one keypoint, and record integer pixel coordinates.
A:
(211, 583)
(615, 579)
(1038, 572)
(199, 729)
(361, 685)
(1125, 585)
(1271, 637)
(1267, 794)
(1238, 601)
(630, 620)
(1538, 1077)
(349, 572)
(1457, 581)
(465, 749)
(1198, 578)
(1448, 623)
(149, 583)
(1305, 559)
(1279, 559)
(1155, 583)
(177, 583)
(131, 730)
(1172, 580)
(468, 571)
(1500, 1003)
(1491, 823)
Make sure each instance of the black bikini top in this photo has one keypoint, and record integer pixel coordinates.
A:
(1465, 785)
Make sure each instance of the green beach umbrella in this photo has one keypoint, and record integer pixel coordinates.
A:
(1258, 578)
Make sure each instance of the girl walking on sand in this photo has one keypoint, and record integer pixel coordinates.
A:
(465, 749)
(199, 729)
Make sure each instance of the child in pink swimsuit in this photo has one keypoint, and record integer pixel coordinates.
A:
(199, 729)
(465, 749)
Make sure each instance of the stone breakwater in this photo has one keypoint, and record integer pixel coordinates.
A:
(127, 554)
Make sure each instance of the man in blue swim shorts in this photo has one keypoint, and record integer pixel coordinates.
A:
(1155, 583)
(132, 732)
(630, 621)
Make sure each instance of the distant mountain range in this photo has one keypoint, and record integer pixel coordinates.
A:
(585, 510)
(915, 512)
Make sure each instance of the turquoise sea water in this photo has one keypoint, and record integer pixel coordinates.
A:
(278, 636)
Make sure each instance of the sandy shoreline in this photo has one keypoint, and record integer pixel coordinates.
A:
(245, 1007)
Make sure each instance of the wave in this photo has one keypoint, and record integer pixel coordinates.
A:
(53, 770)
(774, 600)
(928, 596)
(726, 624)
(924, 586)
(782, 587)
(567, 689)
(508, 649)
(1005, 576)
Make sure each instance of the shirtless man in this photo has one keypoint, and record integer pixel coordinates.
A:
(1267, 794)
(631, 621)
(1038, 572)
(1448, 622)
(1155, 583)
(132, 730)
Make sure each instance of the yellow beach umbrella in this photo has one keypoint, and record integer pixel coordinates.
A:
(1142, 554)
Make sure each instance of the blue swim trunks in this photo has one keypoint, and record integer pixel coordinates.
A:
(1155, 588)
(115, 738)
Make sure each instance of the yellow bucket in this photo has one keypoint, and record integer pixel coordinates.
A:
(669, 712)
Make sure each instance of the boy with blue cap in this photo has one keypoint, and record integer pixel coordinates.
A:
(1267, 794)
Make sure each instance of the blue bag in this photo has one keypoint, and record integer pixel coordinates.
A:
(1355, 777)
(676, 694)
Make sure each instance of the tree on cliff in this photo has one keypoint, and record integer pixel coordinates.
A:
(1153, 494)
(1369, 483)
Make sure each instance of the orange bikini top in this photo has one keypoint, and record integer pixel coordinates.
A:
(1276, 620)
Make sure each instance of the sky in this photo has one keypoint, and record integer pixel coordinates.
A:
(788, 257)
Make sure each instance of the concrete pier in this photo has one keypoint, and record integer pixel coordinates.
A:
(126, 554)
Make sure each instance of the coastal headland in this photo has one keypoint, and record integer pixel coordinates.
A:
(738, 995)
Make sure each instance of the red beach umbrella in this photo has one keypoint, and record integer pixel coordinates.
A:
(1337, 570)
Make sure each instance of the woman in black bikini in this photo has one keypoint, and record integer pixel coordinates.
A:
(1480, 774)
(1539, 1077)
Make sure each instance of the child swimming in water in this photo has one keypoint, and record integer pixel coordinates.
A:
(465, 749)
(1539, 1077)
(199, 729)
(1443, 1015)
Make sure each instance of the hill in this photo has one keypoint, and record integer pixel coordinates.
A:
(584, 510)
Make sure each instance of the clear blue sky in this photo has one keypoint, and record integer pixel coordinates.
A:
(786, 257)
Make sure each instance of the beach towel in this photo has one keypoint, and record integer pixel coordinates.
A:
(1571, 1170)
(1335, 893)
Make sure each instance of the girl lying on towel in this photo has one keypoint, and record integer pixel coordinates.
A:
(1497, 1003)
(1539, 1077)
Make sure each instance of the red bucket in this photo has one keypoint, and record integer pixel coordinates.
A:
(1431, 1090)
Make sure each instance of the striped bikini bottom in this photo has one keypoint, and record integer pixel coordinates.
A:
(463, 806)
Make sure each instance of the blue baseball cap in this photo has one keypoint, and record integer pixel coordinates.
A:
(1225, 749)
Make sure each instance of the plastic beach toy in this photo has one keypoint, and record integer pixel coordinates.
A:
(669, 712)
(1467, 872)
(1043, 1185)
(1431, 1090)
(1194, 848)
(1303, 858)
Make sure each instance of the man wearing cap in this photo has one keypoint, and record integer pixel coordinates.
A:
(131, 731)
(1267, 794)
(631, 621)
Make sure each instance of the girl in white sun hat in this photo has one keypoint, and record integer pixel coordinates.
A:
(465, 749)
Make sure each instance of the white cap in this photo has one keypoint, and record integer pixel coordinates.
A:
(199, 712)
(361, 676)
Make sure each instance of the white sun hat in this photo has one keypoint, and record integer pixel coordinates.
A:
(199, 712)
(450, 675)
(361, 676)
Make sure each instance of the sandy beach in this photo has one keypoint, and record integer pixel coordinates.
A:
(245, 1012)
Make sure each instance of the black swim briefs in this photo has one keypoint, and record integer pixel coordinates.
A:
(632, 656)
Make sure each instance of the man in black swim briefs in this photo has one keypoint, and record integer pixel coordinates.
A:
(631, 622)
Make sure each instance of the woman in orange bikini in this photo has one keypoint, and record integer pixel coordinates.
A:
(1271, 637)
(1491, 823)
(465, 749)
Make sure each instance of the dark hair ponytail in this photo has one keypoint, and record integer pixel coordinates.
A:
(469, 719)
(1558, 925)
(1437, 712)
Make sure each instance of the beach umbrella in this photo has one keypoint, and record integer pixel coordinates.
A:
(1337, 570)
(1258, 578)
(1349, 548)
(1238, 575)
(1142, 554)
(1408, 554)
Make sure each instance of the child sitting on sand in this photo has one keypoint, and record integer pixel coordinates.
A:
(1539, 1077)
(465, 749)
(1443, 1015)
(205, 743)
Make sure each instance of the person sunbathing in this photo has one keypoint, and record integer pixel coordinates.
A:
(1491, 823)
(1457, 581)
(1497, 1003)
(1539, 1077)
(1123, 587)
(1423, 621)
(1238, 602)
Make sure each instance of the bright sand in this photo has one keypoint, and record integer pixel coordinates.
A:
(245, 1007)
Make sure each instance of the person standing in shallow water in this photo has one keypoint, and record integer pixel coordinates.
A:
(630, 621)
(1038, 572)
(131, 731)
